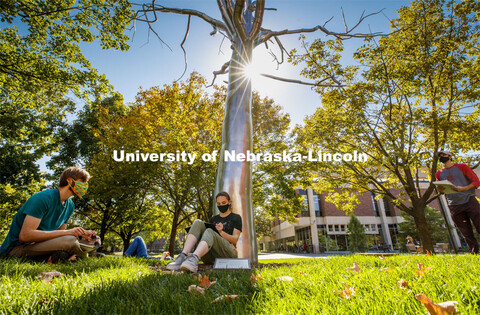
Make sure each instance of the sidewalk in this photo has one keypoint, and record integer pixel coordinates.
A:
(263, 256)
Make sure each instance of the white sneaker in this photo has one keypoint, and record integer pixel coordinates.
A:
(190, 264)
(175, 265)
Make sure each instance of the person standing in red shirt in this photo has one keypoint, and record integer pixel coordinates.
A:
(463, 205)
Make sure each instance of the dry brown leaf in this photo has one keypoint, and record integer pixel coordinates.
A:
(348, 292)
(355, 267)
(444, 308)
(49, 261)
(49, 276)
(428, 253)
(301, 273)
(422, 269)
(382, 257)
(228, 298)
(72, 258)
(204, 281)
(389, 270)
(255, 278)
(196, 289)
(157, 267)
(402, 284)
(284, 278)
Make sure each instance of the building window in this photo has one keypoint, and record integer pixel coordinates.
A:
(375, 205)
(373, 227)
(393, 229)
(304, 212)
(386, 205)
(317, 205)
(330, 228)
(367, 227)
(342, 227)
(337, 228)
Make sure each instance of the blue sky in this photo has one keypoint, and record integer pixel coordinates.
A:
(149, 63)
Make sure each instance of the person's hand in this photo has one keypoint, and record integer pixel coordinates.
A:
(458, 188)
(219, 227)
(77, 231)
(88, 234)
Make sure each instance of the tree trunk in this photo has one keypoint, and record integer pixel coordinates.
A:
(103, 230)
(234, 177)
(173, 232)
(422, 227)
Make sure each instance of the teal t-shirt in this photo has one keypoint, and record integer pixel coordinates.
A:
(45, 205)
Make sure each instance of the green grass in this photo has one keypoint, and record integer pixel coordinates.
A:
(117, 285)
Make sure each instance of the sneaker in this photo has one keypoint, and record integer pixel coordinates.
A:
(175, 266)
(190, 264)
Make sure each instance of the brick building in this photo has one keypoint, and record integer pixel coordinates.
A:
(323, 227)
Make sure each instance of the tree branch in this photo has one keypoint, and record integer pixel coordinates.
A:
(347, 34)
(299, 82)
(257, 21)
(223, 70)
(237, 20)
(159, 8)
(183, 48)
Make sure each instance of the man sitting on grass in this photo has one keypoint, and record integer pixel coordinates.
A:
(210, 244)
(39, 227)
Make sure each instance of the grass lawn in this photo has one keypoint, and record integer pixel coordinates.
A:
(118, 285)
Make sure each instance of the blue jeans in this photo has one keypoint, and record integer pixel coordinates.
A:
(137, 248)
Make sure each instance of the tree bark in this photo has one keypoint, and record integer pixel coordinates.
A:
(173, 232)
(422, 227)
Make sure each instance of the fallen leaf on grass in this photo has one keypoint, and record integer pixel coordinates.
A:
(382, 257)
(255, 278)
(428, 253)
(444, 308)
(72, 258)
(402, 284)
(157, 267)
(301, 273)
(347, 293)
(49, 276)
(45, 301)
(284, 278)
(204, 281)
(196, 289)
(389, 270)
(422, 269)
(49, 261)
(355, 267)
(228, 298)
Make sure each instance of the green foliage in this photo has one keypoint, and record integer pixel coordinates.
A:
(357, 239)
(126, 285)
(436, 226)
(416, 92)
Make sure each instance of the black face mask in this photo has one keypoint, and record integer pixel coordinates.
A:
(223, 208)
(444, 159)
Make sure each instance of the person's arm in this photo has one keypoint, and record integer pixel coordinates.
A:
(29, 232)
(470, 174)
(231, 238)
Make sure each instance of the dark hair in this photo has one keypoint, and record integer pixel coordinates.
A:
(223, 194)
(74, 172)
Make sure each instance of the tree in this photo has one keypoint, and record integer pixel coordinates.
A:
(40, 64)
(407, 103)
(436, 226)
(357, 239)
(241, 24)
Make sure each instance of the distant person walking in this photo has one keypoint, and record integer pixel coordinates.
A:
(463, 205)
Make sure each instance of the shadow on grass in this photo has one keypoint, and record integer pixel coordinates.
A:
(12, 266)
(159, 293)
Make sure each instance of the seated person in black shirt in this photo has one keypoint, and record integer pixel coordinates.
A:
(210, 244)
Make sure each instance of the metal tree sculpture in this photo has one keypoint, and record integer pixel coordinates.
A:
(242, 25)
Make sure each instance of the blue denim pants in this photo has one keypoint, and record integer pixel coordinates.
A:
(137, 248)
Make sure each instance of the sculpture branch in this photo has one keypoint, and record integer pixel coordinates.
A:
(159, 8)
(347, 34)
(183, 48)
(223, 70)
(226, 16)
(257, 22)
(237, 20)
(300, 82)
